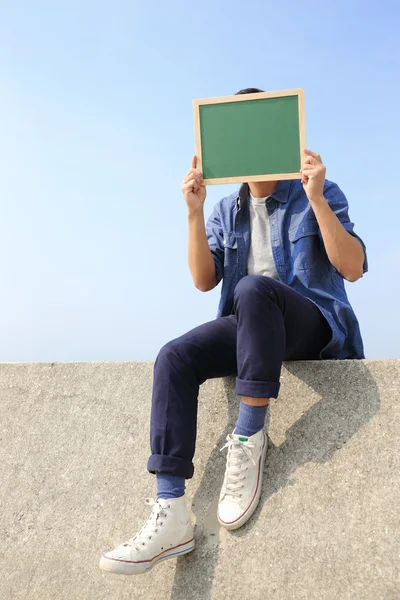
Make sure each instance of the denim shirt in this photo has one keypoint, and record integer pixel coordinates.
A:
(300, 257)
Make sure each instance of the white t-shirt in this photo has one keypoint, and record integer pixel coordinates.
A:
(260, 260)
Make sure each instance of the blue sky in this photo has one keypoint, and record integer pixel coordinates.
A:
(97, 133)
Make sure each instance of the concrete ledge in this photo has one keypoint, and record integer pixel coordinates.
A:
(73, 453)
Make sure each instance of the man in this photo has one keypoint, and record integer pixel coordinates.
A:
(282, 250)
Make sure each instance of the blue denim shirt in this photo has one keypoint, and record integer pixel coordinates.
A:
(300, 257)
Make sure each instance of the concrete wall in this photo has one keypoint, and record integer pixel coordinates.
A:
(73, 453)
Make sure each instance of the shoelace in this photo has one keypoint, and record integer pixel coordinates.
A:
(150, 527)
(239, 453)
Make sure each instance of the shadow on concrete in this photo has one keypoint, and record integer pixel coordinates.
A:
(346, 404)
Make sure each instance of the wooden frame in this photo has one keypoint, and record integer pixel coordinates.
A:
(299, 92)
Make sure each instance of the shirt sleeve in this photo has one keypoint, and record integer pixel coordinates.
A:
(215, 241)
(339, 205)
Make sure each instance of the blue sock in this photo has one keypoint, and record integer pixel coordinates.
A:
(170, 486)
(251, 419)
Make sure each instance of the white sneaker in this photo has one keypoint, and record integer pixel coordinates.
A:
(167, 533)
(241, 489)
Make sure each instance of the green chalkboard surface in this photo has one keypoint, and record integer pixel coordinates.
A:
(254, 137)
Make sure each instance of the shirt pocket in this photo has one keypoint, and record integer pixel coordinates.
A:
(305, 245)
(230, 253)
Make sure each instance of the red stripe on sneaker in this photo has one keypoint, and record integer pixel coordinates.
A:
(138, 562)
(251, 501)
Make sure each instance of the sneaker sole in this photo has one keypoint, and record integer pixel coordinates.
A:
(245, 516)
(126, 567)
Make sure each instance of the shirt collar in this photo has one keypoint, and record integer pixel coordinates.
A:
(282, 191)
(280, 194)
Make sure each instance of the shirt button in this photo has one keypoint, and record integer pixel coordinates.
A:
(224, 242)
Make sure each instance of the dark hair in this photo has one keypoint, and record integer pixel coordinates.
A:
(249, 91)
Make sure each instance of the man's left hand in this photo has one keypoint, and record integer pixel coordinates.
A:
(313, 176)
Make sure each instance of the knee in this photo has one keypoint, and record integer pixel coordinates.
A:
(167, 353)
(173, 353)
(250, 286)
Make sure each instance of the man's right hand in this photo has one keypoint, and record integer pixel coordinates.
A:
(201, 261)
(193, 188)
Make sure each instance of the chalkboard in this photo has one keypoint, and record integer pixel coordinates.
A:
(250, 137)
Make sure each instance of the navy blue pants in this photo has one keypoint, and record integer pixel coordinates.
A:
(270, 323)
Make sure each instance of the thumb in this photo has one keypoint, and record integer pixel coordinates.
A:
(194, 162)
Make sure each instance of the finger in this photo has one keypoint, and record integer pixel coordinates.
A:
(194, 162)
(312, 161)
(308, 167)
(195, 172)
(313, 154)
(191, 178)
(309, 172)
(193, 175)
(315, 168)
(191, 182)
(191, 186)
(186, 185)
(305, 164)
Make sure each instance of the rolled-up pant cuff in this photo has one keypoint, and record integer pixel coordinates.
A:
(257, 389)
(170, 465)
